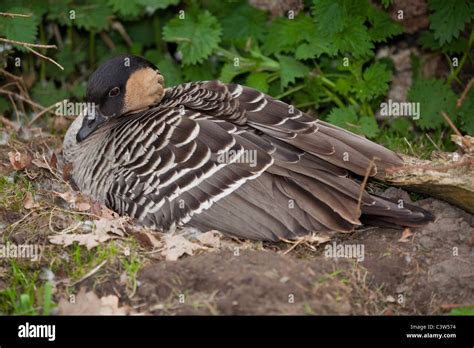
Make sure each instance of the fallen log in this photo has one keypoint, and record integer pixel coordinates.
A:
(447, 176)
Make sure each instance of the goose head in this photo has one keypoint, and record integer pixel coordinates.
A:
(122, 85)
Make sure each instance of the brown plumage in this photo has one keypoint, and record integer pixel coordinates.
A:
(227, 157)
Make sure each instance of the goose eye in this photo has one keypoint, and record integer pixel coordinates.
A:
(114, 92)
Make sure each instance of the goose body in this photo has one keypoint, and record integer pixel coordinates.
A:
(223, 156)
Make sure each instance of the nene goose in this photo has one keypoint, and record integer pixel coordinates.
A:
(222, 156)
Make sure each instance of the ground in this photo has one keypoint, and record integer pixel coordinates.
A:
(117, 267)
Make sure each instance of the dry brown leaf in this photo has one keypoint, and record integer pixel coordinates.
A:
(176, 246)
(406, 235)
(19, 160)
(99, 235)
(67, 170)
(29, 202)
(88, 303)
(211, 239)
(102, 211)
(147, 239)
(76, 201)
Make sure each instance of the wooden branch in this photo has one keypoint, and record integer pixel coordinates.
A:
(449, 176)
(7, 14)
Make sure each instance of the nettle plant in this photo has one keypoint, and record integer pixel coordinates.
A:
(322, 58)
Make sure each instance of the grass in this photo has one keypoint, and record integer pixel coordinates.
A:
(24, 296)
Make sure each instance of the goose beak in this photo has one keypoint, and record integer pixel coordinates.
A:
(92, 120)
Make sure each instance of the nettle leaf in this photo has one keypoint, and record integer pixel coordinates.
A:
(19, 28)
(382, 25)
(449, 18)
(354, 38)
(434, 96)
(369, 126)
(197, 36)
(343, 117)
(243, 22)
(290, 69)
(127, 8)
(374, 82)
(427, 40)
(258, 81)
(465, 111)
(316, 47)
(330, 15)
(285, 34)
(92, 16)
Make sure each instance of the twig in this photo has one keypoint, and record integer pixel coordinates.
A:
(4, 91)
(26, 44)
(432, 142)
(451, 124)
(41, 113)
(8, 123)
(10, 75)
(464, 93)
(119, 27)
(6, 14)
(409, 145)
(107, 40)
(44, 57)
(364, 182)
(92, 272)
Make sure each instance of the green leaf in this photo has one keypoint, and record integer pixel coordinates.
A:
(354, 39)
(22, 29)
(197, 36)
(290, 70)
(343, 117)
(286, 34)
(92, 16)
(374, 82)
(434, 96)
(243, 22)
(330, 15)
(449, 18)
(127, 8)
(400, 125)
(369, 126)
(427, 40)
(466, 112)
(319, 45)
(258, 81)
(382, 25)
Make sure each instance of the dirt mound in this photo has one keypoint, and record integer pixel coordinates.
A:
(424, 273)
